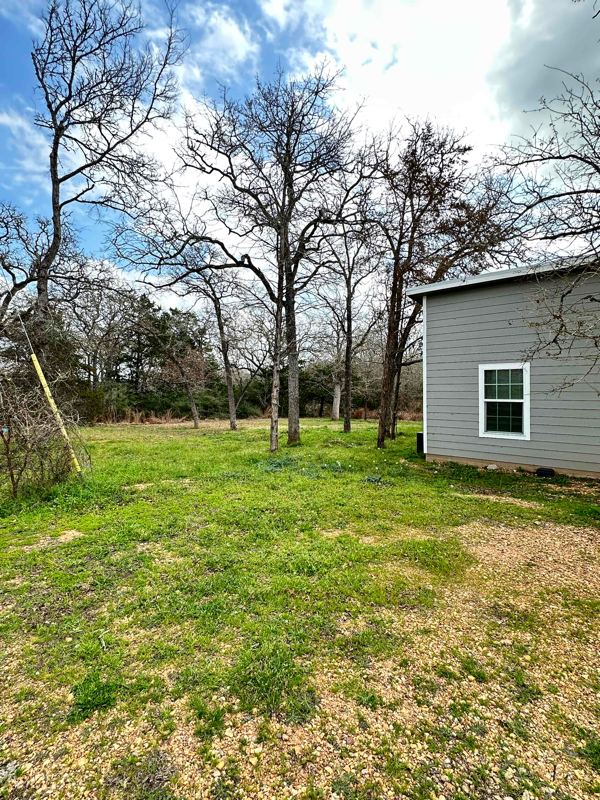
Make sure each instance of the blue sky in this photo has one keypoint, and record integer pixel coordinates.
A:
(470, 64)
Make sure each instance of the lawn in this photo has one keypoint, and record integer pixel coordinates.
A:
(200, 618)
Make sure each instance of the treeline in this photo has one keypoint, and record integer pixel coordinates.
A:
(115, 355)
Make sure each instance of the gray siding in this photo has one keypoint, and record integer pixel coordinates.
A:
(487, 325)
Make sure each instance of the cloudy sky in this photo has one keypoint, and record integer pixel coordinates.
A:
(473, 64)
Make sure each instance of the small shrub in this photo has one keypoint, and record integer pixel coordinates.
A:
(33, 451)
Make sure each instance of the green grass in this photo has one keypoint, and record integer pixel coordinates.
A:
(204, 557)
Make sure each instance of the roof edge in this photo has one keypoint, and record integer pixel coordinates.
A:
(497, 276)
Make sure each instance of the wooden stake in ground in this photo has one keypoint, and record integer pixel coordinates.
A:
(55, 411)
(50, 399)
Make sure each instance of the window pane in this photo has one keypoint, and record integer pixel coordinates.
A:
(504, 412)
(516, 376)
(504, 417)
(516, 418)
(503, 376)
(516, 384)
(490, 384)
(491, 417)
(503, 391)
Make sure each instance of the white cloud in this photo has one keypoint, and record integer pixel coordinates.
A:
(221, 44)
(413, 58)
(23, 12)
(28, 146)
(277, 10)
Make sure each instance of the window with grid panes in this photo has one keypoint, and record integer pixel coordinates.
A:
(503, 399)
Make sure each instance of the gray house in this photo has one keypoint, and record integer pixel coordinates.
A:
(485, 401)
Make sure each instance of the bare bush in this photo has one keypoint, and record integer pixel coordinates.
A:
(33, 451)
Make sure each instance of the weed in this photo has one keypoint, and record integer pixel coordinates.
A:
(369, 699)
(226, 787)
(424, 684)
(518, 726)
(93, 694)
(525, 692)
(517, 618)
(132, 778)
(443, 557)
(374, 641)
(395, 767)
(210, 719)
(472, 667)
(590, 750)
(442, 671)
(348, 787)
(269, 678)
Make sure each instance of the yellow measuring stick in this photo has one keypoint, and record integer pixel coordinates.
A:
(55, 411)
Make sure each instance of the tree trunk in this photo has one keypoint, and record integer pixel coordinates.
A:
(321, 405)
(226, 362)
(395, 404)
(293, 366)
(42, 304)
(190, 395)
(389, 363)
(231, 403)
(274, 446)
(45, 264)
(366, 411)
(348, 363)
(337, 396)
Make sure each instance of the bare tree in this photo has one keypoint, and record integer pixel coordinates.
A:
(219, 288)
(276, 155)
(101, 91)
(352, 260)
(556, 188)
(437, 218)
(270, 167)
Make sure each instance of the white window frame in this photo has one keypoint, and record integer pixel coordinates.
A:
(526, 435)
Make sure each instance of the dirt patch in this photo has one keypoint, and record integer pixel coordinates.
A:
(376, 725)
(499, 498)
(68, 536)
(52, 541)
(559, 555)
(333, 533)
(138, 486)
(158, 552)
(577, 487)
